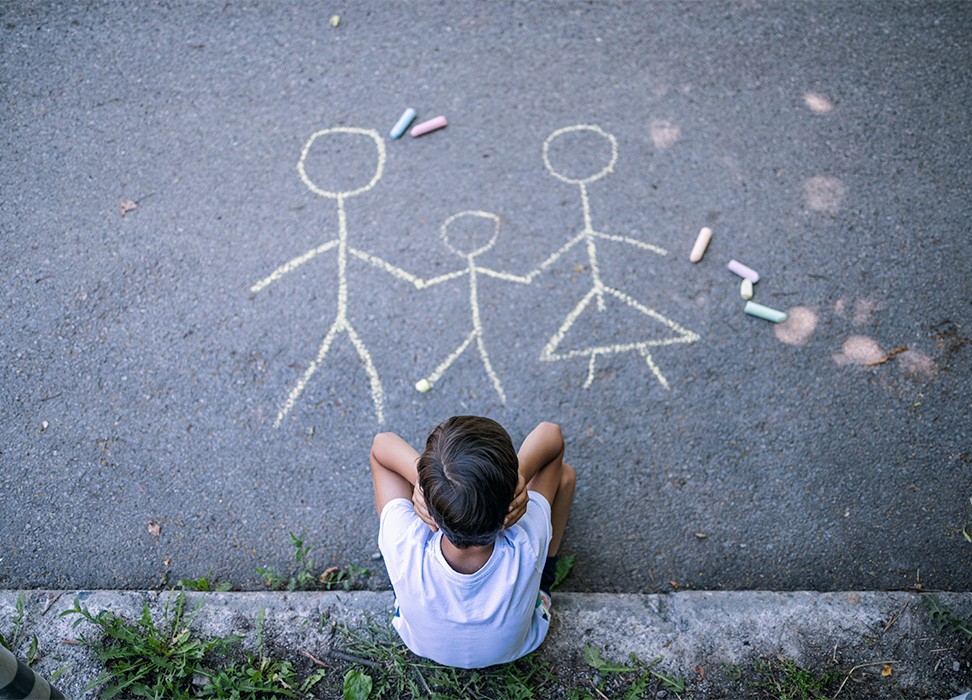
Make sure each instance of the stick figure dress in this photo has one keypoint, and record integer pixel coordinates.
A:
(595, 301)
(341, 323)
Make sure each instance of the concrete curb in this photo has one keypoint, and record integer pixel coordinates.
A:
(701, 636)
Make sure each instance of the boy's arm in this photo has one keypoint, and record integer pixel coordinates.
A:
(394, 469)
(541, 459)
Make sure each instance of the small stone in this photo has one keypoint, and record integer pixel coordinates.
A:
(376, 556)
(44, 425)
(956, 666)
(335, 20)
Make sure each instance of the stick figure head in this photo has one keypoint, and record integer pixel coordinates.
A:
(464, 233)
(578, 132)
(469, 473)
(342, 131)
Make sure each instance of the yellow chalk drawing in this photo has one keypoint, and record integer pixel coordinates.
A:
(590, 237)
(473, 270)
(341, 323)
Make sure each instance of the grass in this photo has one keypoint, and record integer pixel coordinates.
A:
(13, 641)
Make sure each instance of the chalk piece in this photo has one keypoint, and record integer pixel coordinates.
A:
(743, 271)
(746, 289)
(335, 20)
(403, 121)
(423, 386)
(764, 312)
(430, 125)
(701, 243)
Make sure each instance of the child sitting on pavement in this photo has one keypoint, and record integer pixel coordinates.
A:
(469, 531)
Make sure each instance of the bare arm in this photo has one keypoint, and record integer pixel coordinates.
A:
(394, 469)
(541, 465)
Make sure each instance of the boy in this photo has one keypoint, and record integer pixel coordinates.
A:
(469, 532)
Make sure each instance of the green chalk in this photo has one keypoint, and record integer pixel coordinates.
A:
(764, 312)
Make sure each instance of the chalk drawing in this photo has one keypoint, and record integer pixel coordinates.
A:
(341, 323)
(473, 270)
(590, 237)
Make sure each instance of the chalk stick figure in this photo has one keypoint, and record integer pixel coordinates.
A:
(599, 290)
(341, 323)
(473, 270)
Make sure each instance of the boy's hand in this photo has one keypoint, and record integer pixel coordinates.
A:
(421, 510)
(519, 504)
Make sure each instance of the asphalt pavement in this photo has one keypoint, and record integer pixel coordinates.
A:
(221, 276)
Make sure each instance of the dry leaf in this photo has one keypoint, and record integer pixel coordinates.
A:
(126, 206)
(886, 671)
(154, 528)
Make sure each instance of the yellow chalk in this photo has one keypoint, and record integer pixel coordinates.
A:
(746, 289)
(701, 243)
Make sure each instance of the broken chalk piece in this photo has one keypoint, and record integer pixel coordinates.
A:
(701, 243)
(403, 121)
(743, 271)
(764, 312)
(746, 289)
(423, 386)
(430, 125)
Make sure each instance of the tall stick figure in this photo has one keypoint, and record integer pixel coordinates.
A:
(341, 323)
(473, 270)
(599, 290)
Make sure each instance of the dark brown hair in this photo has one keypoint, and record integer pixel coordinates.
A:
(468, 473)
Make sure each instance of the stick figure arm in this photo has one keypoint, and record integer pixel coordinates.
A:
(293, 264)
(522, 279)
(386, 266)
(632, 241)
(442, 278)
(555, 256)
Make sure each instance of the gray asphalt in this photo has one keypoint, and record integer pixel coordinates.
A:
(826, 144)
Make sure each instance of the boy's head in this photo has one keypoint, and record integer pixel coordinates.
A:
(468, 473)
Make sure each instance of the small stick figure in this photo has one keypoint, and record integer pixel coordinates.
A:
(473, 270)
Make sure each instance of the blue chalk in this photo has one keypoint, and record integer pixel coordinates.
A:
(403, 121)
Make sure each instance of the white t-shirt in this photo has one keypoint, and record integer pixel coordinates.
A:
(474, 620)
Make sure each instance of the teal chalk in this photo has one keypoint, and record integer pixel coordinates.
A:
(764, 312)
(403, 121)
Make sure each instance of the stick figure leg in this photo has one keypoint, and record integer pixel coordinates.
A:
(377, 395)
(298, 389)
(440, 370)
(654, 368)
(489, 368)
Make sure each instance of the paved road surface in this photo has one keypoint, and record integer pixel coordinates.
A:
(145, 358)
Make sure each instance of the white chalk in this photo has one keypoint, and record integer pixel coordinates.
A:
(423, 386)
(430, 125)
(743, 271)
(701, 243)
(746, 289)
(403, 121)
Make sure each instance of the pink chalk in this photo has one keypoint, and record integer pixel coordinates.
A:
(743, 271)
(430, 125)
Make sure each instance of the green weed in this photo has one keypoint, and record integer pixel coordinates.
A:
(304, 576)
(638, 674)
(943, 616)
(204, 584)
(564, 566)
(783, 679)
(165, 659)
